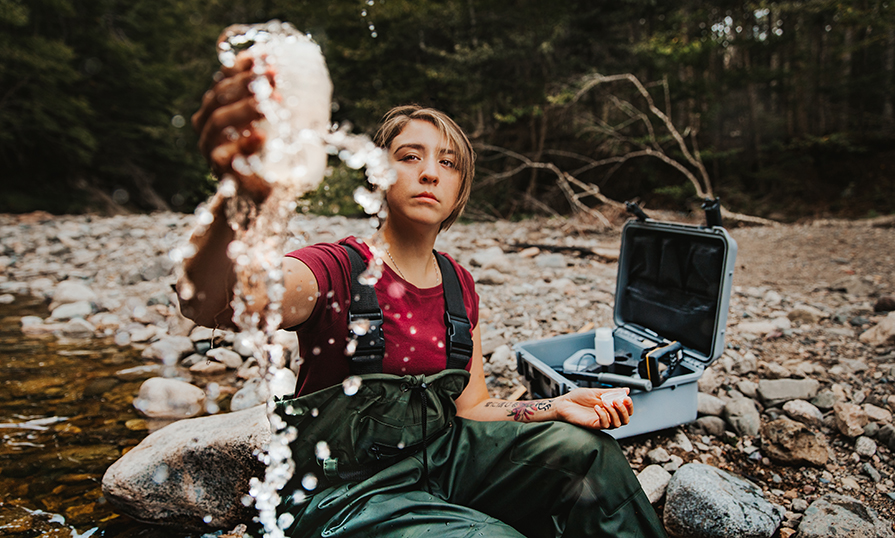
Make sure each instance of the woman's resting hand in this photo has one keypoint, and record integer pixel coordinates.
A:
(586, 408)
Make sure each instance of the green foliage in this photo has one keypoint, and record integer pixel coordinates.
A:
(99, 93)
(335, 196)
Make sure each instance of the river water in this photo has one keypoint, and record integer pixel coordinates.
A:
(65, 416)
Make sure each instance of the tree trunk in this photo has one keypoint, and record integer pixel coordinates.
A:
(889, 68)
(845, 74)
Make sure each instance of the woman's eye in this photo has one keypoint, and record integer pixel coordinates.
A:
(449, 164)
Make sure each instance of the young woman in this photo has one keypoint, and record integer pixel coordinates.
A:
(498, 468)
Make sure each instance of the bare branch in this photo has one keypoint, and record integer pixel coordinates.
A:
(703, 188)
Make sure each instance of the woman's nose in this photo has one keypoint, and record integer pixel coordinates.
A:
(429, 173)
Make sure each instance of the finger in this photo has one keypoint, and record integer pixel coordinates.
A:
(614, 416)
(244, 62)
(223, 158)
(238, 115)
(605, 422)
(623, 414)
(225, 92)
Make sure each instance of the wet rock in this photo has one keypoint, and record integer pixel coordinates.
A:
(169, 349)
(243, 345)
(850, 419)
(654, 480)
(78, 328)
(161, 397)
(705, 502)
(792, 443)
(882, 334)
(227, 357)
(803, 412)
(743, 416)
(842, 517)
(191, 469)
(208, 368)
(777, 391)
(886, 303)
(252, 394)
(144, 371)
(70, 291)
(80, 309)
(706, 404)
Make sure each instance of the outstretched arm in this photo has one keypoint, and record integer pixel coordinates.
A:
(582, 406)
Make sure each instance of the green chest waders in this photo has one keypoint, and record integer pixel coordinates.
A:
(390, 417)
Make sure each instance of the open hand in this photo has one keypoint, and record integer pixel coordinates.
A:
(584, 407)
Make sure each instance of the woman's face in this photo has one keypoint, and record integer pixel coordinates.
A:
(428, 181)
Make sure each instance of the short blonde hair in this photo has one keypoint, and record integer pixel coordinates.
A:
(397, 118)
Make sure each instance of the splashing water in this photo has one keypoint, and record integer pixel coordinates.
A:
(293, 161)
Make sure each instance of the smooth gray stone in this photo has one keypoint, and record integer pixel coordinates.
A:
(191, 469)
(705, 502)
(842, 517)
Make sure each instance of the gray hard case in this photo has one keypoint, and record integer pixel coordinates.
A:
(673, 284)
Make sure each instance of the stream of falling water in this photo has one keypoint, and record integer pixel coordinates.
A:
(293, 160)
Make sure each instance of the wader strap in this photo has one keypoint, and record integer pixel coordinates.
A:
(459, 329)
(370, 350)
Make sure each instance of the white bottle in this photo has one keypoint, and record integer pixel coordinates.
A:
(604, 346)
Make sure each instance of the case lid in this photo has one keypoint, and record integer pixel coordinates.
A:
(674, 280)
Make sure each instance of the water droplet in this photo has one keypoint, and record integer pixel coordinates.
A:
(351, 385)
(247, 500)
(285, 520)
(413, 330)
(160, 474)
(309, 482)
(331, 341)
(207, 518)
(406, 359)
(440, 344)
(322, 450)
(401, 445)
(316, 351)
(360, 327)
(315, 412)
(350, 347)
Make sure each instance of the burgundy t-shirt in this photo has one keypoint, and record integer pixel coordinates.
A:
(413, 322)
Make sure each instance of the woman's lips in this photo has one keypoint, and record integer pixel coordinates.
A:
(427, 196)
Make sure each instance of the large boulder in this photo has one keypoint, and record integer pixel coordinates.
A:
(192, 474)
(705, 502)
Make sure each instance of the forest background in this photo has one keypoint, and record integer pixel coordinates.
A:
(784, 109)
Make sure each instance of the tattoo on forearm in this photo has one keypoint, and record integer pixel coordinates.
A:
(522, 411)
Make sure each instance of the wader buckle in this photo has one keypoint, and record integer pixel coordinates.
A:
(459, 344)
(371, 345)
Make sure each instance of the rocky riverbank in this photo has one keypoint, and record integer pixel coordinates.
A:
(795, 418)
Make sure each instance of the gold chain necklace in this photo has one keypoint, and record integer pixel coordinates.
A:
(434, 263)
